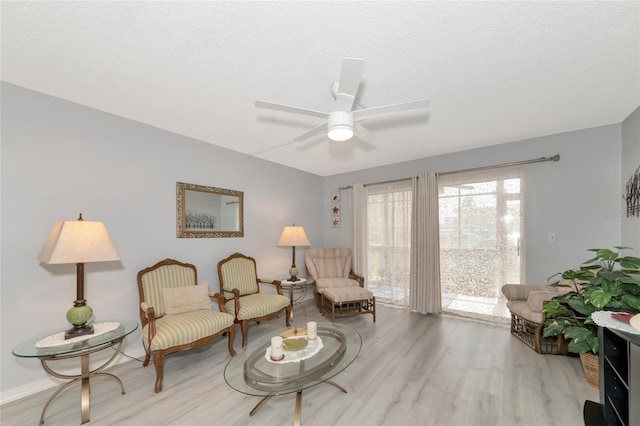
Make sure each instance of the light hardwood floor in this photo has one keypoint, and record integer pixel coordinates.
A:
(413, 369)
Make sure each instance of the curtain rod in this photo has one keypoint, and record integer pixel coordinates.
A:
(517, 163)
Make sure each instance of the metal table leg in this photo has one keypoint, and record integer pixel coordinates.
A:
(297, 300)
(297, 417)
(84, 378)
(260, 404)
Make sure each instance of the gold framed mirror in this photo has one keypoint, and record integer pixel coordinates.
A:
(208, 212)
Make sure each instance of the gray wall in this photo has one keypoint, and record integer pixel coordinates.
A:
(577, 198)
(630, 163)
(59, 159)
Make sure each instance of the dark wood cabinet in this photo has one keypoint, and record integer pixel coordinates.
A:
(619, 381)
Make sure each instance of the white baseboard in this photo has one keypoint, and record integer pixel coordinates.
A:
(47, 383)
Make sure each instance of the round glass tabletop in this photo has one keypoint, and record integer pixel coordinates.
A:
(251, 373)
(28, 348)
(297, 284)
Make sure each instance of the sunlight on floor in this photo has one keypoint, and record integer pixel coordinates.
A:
(485, 308)
(493, 309)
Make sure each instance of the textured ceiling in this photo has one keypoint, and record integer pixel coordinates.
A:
(495, 72)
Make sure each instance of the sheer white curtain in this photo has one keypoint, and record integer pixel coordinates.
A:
(425, 294)
(360, 232)
(389, 241)
(481, 238)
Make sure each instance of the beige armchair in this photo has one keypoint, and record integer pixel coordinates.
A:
(239, 285)
(525, 302)
(176, 313)
(337, 289)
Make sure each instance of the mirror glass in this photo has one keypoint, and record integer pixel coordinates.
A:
(208, 212)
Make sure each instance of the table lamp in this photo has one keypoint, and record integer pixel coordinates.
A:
(293, 236)
(78, 242)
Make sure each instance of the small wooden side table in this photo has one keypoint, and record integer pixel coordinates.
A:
(78, 348)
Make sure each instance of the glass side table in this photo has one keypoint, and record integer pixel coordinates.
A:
(82, 348)
(302, 284)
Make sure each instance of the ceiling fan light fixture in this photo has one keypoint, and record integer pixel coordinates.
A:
(340, 125)
(340, 133)
(340, 122)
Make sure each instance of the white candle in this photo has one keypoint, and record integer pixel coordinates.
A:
(277, 352)
(312, 330)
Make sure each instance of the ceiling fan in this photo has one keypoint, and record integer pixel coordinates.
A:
(342, 122)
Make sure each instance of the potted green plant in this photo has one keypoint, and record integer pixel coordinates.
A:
(604, 282)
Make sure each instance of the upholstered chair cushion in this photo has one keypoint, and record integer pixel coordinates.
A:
(324, 283)
(186, 299)
(520, 308)
(331, 267)
(536, 299)
(239, 273)
(521, 291)
(531, 307)
(258, 305)
(168, 276)
(526, 300)
(328, 262)
(348, 294)
(174, 330)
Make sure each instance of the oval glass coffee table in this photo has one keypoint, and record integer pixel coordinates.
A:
(251, 373)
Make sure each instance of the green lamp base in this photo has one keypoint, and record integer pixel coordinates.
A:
(78, 316)
(293, 271)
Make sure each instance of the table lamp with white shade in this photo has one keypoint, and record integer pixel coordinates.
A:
(293, 236)
(78, 242)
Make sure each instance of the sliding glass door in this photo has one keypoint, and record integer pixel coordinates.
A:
(481, 239)
(481, 220)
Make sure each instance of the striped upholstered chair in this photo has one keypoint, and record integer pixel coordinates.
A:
(176, 313)
(239, 284)
(338, 290)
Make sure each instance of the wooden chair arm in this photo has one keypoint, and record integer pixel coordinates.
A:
(151, 321)
(357, 277)
(236, 301)
(276, 283)
(220, 299)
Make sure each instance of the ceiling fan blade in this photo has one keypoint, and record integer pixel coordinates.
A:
(315, 131)
(254, 154)
(350, 76)
(363, 114)
(293, 109)
(363, 134)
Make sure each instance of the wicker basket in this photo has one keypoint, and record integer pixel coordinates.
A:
(591, 368)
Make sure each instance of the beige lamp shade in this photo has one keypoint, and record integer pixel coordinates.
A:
(293, 236)
(78, 241)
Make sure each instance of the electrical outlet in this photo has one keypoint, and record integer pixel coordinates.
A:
(551, 237)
